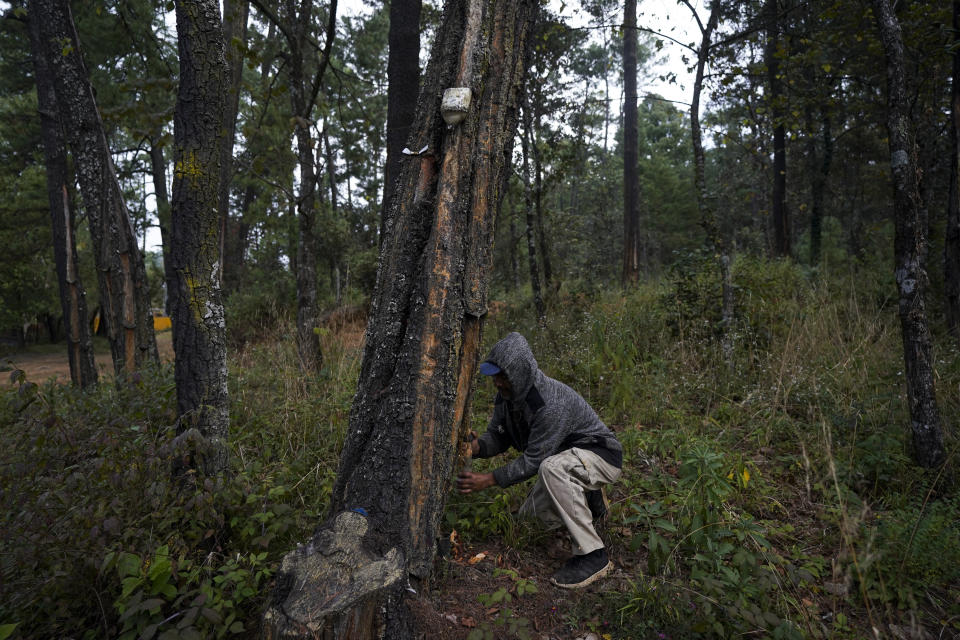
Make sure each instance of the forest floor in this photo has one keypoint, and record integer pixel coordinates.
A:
(506, 592)
(45, 361)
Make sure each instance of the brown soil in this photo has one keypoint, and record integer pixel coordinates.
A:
(40, 367)
(453, 608)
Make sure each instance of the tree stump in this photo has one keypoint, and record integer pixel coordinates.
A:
(334, 586)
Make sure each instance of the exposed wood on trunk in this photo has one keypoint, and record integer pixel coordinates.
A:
(910, 244)
(120, 272)
(199, 330)
(73, 301)
(631, 181)
(423, 339)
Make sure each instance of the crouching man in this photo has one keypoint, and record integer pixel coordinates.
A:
(560, 438)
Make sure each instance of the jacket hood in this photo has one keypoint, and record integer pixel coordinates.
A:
(513, 355)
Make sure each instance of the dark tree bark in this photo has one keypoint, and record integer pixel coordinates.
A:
(403, 84)
(199, 331)
(951, 248)
(529, 207)
(708, 216)
(780, 215)
(631, 181)
(910, 248)
(422, 342)
(538, 202)
(73, 301)
(120, 272)
(819, 175)
(235, 14)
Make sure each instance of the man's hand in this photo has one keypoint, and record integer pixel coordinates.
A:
(468, 482)
(474, 443)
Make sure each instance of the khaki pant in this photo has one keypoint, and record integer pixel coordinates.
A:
(560, 494)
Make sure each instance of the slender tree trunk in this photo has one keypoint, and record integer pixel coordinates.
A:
(707, 214)
(403, 83)
(780, 215)
(120, 270)
(199, 335)
(422, 344)
(303, 95)
(819, 175)
(158, 170)
(235, 14)
(951, 249)
(514, 262)
(631, 181)
(538, 202)
(73, 301)
(910, 248)
(528, 201)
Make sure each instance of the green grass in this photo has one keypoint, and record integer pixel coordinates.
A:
(771, 496)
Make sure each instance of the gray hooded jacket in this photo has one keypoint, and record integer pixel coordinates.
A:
(543, 417)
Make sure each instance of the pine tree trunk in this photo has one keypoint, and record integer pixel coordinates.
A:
(158, 171)
(820, 175)
(199, 330)
(73, 301)
(403, 83)
(631, 181)
(235, 14)
(951, 248)
(909, 248)
(120, 270)
(780, 216)
(422, 344)
(528, 201)
(538, 205)
(708, 216)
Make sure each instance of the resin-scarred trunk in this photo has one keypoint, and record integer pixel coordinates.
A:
(120, 272)
(422, 342)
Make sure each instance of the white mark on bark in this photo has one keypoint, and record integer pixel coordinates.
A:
(899, 159)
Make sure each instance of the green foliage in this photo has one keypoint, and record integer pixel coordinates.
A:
(99, 540)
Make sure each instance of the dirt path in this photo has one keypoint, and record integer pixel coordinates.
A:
(41, 366)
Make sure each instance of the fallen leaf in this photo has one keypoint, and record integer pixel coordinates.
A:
(451, 617)
(479, 557)
(492, 611)
(468, 622)
(807, 602)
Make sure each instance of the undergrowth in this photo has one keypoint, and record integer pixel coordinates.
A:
(771, 495)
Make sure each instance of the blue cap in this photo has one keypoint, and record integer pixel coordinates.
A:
(489, 369)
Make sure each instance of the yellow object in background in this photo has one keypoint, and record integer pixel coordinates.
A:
(161, 322)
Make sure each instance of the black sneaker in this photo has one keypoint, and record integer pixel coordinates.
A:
(597, 501)
(579, 571)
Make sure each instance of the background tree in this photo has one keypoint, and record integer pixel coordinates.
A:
(73, 296)
(631, 181)
(121, 275)
(910, 247)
